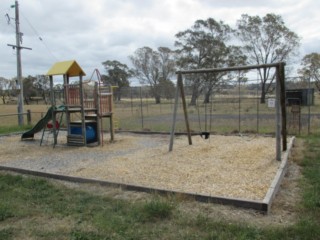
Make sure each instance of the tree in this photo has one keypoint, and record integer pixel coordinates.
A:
(28, 88)
(4, 89)
(118, 74)
(167, 62)
(166, 88)
(310, 70)
(152, 67)
(204, 45)
(42, 85)
(266, 40)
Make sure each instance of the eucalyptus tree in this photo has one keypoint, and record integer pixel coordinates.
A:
(205, 45)
(42, 84)
(310, 71)
(153, 67)
(167, 63)
(29, 89)
(118, 74)
(267, 40)
(4, 89)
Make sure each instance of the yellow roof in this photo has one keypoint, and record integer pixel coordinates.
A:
(70, 68)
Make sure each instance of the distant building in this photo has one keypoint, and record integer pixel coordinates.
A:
(302, 97)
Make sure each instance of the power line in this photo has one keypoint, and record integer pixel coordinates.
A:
(39, 37)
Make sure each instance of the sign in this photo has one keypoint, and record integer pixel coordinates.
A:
(271, 102)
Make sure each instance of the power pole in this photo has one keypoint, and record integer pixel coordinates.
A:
(19, 83)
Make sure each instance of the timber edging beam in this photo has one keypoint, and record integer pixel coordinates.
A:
(243, 203)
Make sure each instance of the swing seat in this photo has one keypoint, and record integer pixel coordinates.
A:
(206, 135)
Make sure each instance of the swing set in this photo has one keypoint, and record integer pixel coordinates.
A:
(281, 132)
(205, 134)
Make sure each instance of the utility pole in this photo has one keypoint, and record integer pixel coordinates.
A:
(19, 83)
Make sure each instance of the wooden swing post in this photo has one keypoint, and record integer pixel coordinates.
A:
(281, 131)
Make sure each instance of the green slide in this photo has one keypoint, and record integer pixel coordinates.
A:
(41, 124)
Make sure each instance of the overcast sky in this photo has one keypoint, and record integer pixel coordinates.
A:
(93, 31)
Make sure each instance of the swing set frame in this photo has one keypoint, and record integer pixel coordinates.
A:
(281, 128)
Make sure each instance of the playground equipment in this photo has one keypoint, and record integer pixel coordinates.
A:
(85, 106)
(48, 128)
(281, 127)
(205, 134)
(40, 125)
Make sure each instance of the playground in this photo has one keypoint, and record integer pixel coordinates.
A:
(241, 170)
(232, 167)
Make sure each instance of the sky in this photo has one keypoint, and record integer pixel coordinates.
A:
(94, 31)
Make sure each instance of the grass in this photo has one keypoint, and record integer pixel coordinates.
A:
(35, 208)
(72, 214)
(13, 129)
(311, 170)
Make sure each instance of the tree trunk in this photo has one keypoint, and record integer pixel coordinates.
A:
(194, 96)
(44, 97)
(117, 94)
(263, 93)
(157, 99)
(207, 97)
(155, 91)
(26, 100)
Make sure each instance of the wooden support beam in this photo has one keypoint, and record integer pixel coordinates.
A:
(228, 69)
(283, 105)
(184, 105)
(278, 115)
(83, 122)
(174, 118)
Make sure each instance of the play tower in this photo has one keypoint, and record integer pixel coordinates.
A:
(86, 104)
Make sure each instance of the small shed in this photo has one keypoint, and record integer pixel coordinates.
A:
(302, 97)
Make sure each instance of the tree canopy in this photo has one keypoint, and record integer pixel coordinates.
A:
(205, 45)
(118, 74)
(5, 87)
(310, 70)
(266, 40)
(153, 67)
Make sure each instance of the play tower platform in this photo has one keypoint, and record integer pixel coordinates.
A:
(86, 103)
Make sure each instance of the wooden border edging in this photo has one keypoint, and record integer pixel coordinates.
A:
(283, 168)
(244, 203)
(262, 206)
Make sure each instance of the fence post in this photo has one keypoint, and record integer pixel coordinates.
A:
(141, 108)
(29, 116)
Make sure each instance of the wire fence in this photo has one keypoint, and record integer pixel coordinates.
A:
(235, 110)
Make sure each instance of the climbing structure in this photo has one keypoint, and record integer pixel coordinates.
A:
(86, 104)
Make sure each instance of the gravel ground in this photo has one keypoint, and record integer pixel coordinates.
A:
(229, 166)
(30, 155)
